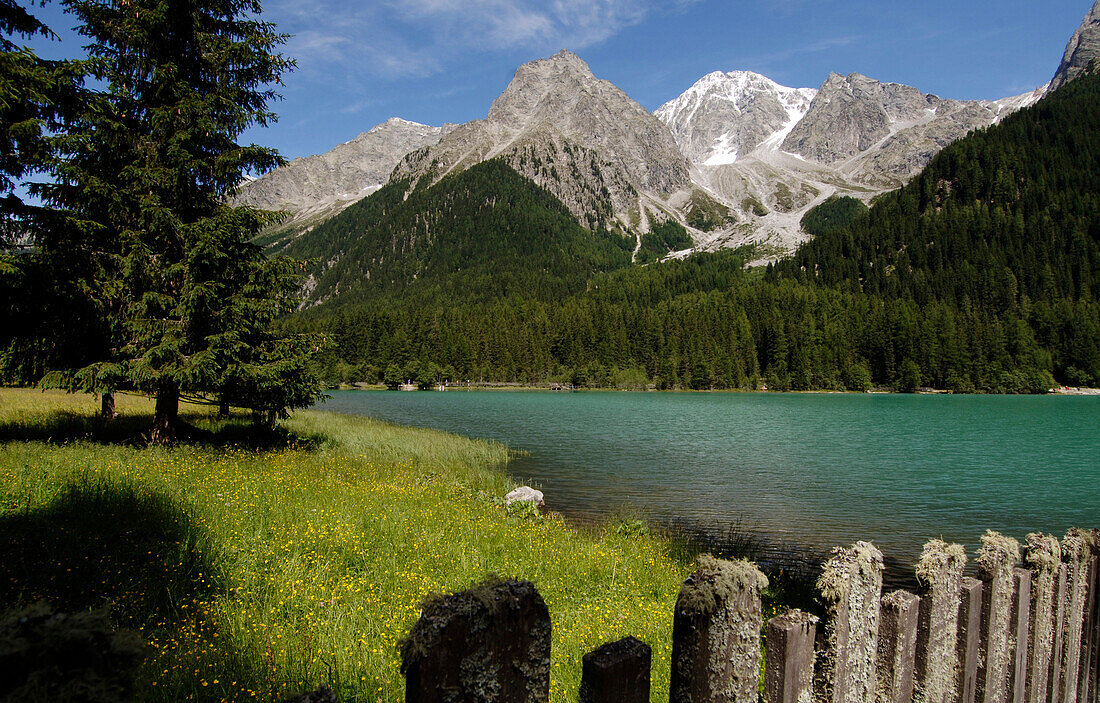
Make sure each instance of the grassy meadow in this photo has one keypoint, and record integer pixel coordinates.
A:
(255, 570)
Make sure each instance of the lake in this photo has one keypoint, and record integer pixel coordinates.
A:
(793, 471)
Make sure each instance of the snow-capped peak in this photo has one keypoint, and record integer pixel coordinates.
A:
(726, 115)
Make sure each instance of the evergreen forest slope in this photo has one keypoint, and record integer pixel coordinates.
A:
(482, 234)
(1005, 222)
(981, 275)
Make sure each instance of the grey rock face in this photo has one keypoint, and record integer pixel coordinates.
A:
(727, 115)
(909, 150)
(1082, 50)
(346, 173)
(573, 133)
(883, 133)
(851, 114)
(856, 136)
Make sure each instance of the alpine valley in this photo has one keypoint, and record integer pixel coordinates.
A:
(512, 248)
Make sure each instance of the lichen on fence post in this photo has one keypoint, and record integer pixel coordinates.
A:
(897, 647)
(1019, 624)
(939, 571)
(789, 660)
(1090, 645)
(968, 640)
(850, 587)
(996, 560)
(1043, 556)
(1076, 553)
(617, 672)
(489, 643)
(716, 634)
(1061, 602)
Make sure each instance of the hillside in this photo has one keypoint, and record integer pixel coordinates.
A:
(482, 234)
(1004, 222)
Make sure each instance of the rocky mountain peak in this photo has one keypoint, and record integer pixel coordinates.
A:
(571, 132)
(319, 185)
(565, 61)
(852, 113)
(394, 123)
(1082, 50)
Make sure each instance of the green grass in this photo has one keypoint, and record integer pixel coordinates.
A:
(256, 569)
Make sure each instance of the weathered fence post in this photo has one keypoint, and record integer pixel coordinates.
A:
(1061, 600)
(1044, 556)
(1077, 553)
(996, 560)
(716, 634)
(1019, 624)
(489, 643)
(851, 588)
(940, 572)
(1090, 647)
(897, 647)
(617, 672)
(968, 641)
(789, 660)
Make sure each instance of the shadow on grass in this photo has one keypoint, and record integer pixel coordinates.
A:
(198, 429)
(129, 551)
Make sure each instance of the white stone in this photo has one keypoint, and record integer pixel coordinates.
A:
(525, 493)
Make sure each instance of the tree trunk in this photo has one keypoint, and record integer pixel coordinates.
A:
(223, 408)
(107, 407)
(165, 415)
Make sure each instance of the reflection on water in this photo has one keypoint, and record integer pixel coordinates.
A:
(812, 470)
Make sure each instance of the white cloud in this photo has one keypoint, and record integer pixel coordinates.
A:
(410, 38)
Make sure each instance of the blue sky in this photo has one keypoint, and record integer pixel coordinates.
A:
(436, 61)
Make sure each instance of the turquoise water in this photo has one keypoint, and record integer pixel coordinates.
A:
(790, 469)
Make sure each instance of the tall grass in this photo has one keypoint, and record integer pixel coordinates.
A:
(257, 572)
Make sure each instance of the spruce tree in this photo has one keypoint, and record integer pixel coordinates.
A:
(185, 299)
(37, 96)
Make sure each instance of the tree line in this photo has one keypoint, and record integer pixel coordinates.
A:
(702, 323)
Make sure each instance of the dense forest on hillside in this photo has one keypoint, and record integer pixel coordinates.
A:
(981, 275)
(701, 323)
(483, 234)
(1005, 222)
(834, 214)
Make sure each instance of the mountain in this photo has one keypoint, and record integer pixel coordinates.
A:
(726, 115)
(1003, 222)
(1082, 50)
(485, 233)
(583, 139)
(771, 153)
(981, 274)
(317, 187)
(853, 114)
(736, 160)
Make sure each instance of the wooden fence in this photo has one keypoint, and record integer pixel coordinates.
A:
(1013, 635)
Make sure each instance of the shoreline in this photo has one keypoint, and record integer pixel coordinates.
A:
(526, 388)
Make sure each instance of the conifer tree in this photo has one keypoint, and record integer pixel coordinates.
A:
(185, 299)
(36, 98)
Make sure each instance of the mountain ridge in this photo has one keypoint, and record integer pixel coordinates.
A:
(736, 159)
(1081, 51)
(317, 187)
(553, 113)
